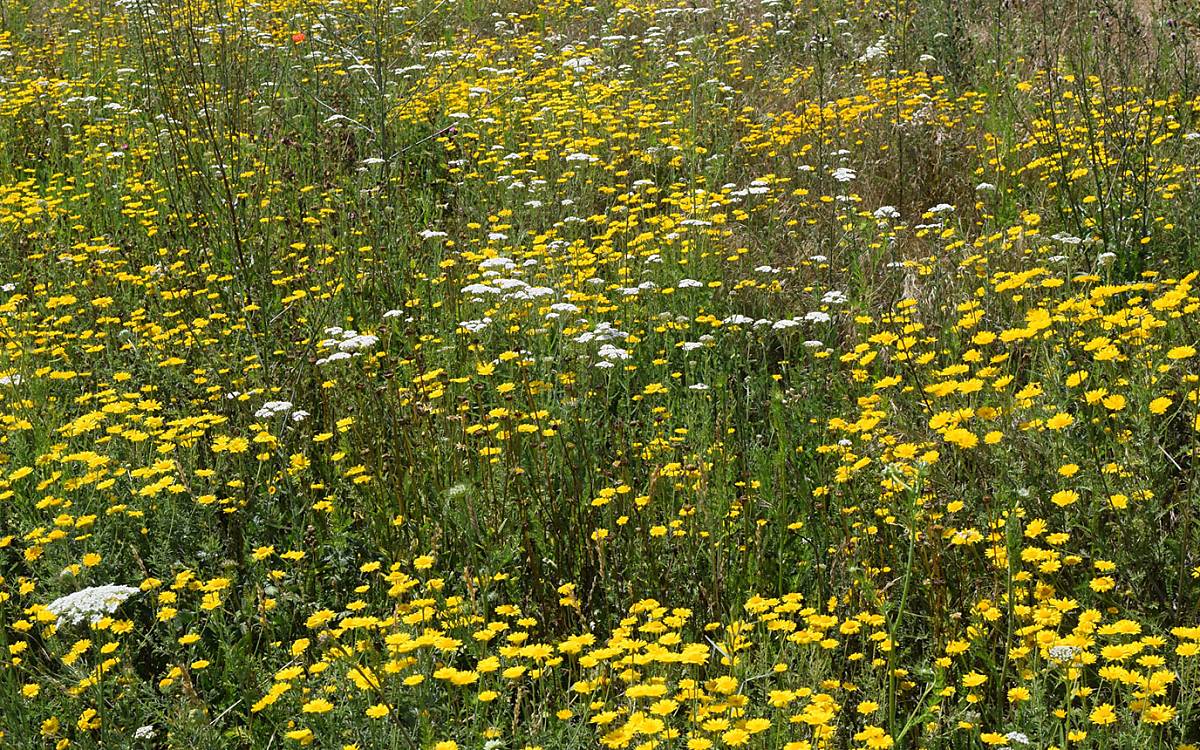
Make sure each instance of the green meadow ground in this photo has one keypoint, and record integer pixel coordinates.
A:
(467, 375)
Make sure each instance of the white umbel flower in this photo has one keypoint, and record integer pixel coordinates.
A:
(91, 603)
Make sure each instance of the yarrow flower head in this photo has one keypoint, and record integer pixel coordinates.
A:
(1063, 653)
(272, 409)
(91, 603)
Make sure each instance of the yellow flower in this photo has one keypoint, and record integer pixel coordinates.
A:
(1063, 498)
(378, 711)
(1059, 421)
(1158, 714)
(317, 706)
(424, 562)
(303, 736)
(1103, 715)
(663, 707)
(874, 737)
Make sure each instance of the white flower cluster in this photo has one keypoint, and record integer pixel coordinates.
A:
(91, 603)
(1063, 653)
(876, 50)
(579, 63)
(274, 408)
(604, 331)
(345, 344)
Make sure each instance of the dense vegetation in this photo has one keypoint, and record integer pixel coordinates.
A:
(645, 374)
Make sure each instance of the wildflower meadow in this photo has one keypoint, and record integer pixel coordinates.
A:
(627, 374)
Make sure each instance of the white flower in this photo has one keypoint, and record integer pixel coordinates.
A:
(985, 186)
(876, 50)
(354, 343)
(887, 212)
(844, 174)
(272, 408)
(816, 316)
(90, 603)
(345, 344)
(689, 284)
(604, 331)
(480, 289)
(497, 262)
(1063, 653)
(834, 297)
(145, 733)
(335, 357)
(610, 352)
(475, 326)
